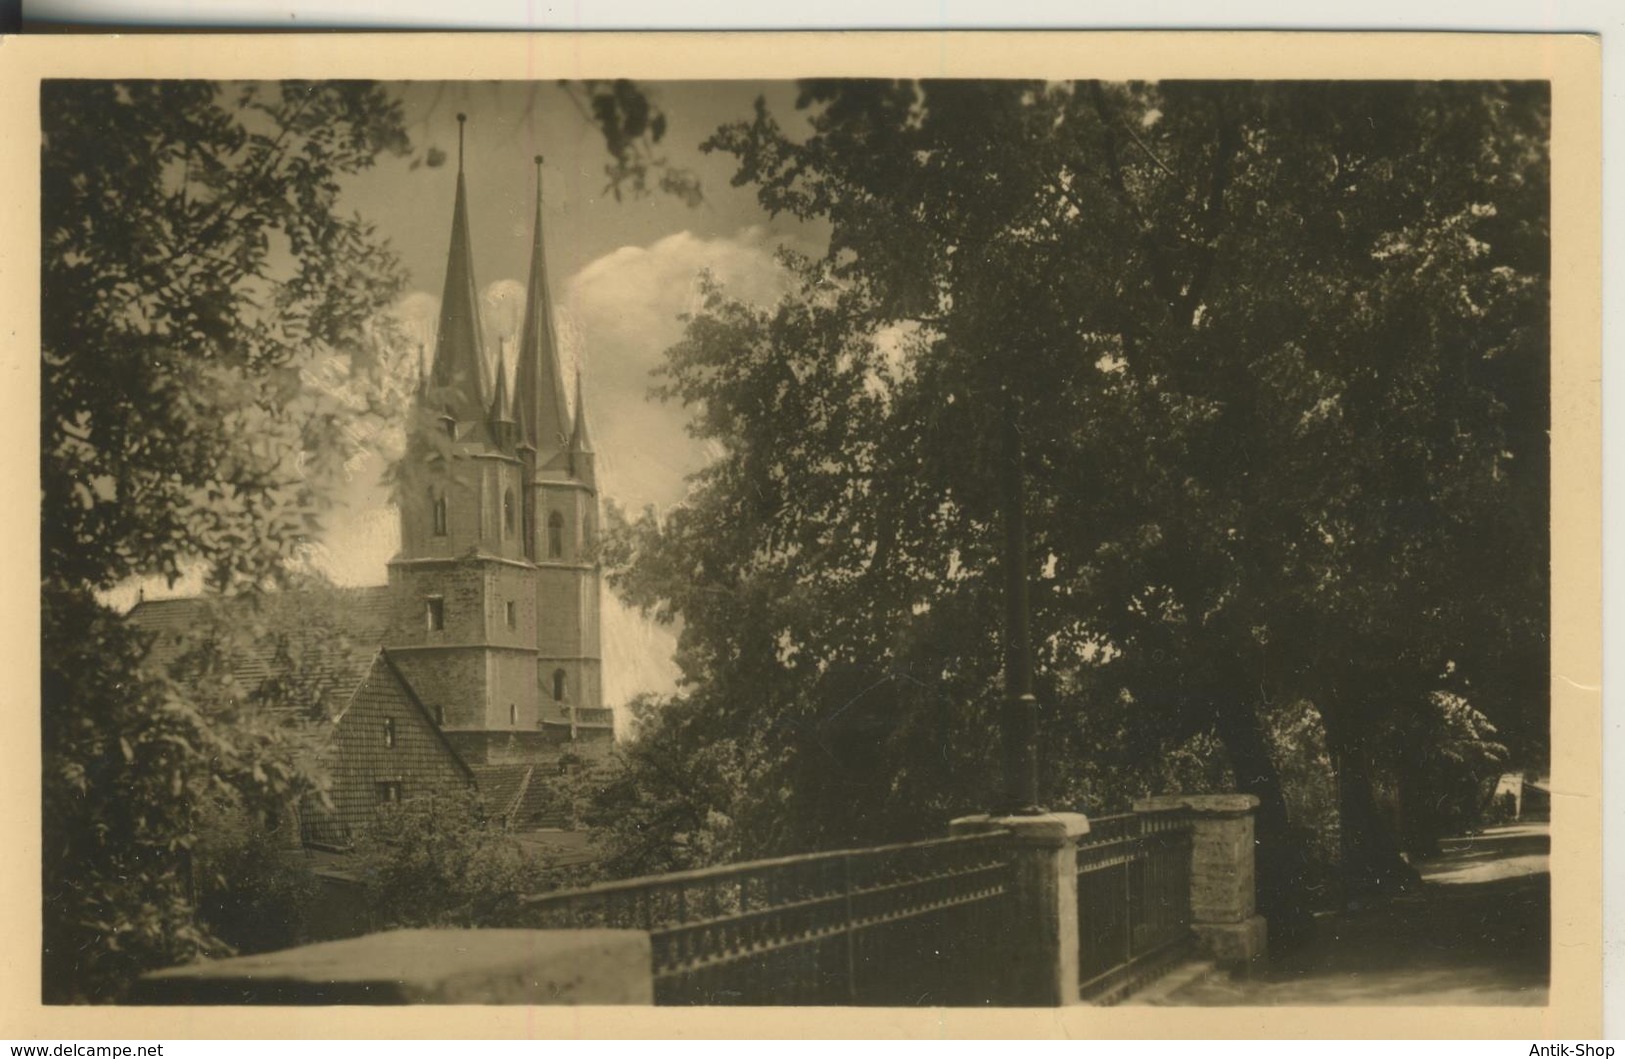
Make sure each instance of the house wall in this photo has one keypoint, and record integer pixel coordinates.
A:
(419, 760)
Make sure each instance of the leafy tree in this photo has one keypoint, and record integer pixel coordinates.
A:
(681, 795)
(438, 861)
(135, 760)
(254, 888)
(195, 264)
(1277, 354)
(213, 342)
(1442, 761)
(633, 126)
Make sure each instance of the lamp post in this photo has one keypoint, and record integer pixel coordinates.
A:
(1018, 721)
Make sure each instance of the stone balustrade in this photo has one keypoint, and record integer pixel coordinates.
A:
(1223, 881)
(1036, 962)
(424, 967)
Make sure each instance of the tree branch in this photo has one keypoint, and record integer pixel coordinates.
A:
(1148, 152)
(1162, 281)
(1229, 141)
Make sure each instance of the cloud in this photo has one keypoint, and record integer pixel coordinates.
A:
(502, 309)
(419, 315)
(625, 307)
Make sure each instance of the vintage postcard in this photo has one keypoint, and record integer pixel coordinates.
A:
(1002, 534)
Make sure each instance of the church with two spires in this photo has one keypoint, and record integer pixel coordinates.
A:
(480, 661)
(496, 585)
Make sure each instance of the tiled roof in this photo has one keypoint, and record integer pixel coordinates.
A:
(501, 785)
(539, 806)
(526, 794)
(325, 659)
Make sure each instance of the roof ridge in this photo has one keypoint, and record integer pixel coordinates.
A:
(423, 711)
(510, 815)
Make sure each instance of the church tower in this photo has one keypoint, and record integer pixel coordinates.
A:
(494, 594)
(562, 505)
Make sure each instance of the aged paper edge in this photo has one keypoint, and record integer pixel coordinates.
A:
(1570, 62)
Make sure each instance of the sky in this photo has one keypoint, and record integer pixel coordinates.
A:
(621, 274)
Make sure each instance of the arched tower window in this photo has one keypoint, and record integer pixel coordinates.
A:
(513, 715)
(438, 505)
(507, 513)
(555, 535)
(558, 685)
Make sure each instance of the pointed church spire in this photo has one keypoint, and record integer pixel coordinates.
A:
(583, 464)
(459, 352)
(501, 411)
(541, 413)
(580, 439)
(499, 402)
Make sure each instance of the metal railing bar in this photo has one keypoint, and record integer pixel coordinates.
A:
(722, 871)
(811, 937)
(1113, 974)
(759, 914)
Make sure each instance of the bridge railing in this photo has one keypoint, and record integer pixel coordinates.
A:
(906, 924)
(1034, 910)
(1134, 899)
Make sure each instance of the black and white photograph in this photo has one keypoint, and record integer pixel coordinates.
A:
(940, 542)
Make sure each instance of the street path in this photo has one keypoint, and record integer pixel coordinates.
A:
(1477, 934)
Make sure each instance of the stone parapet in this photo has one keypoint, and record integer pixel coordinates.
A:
(1223, 873)
(1039, 957)
(1041, 829)
(1237, 946)
(1200, 804)
(424, 967)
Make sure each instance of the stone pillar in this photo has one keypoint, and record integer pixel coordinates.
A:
(424, 967)
(1223, 887)
(1037, 965)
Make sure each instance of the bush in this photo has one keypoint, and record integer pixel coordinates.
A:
(254, 888)
(438, 861)
(1309, 785)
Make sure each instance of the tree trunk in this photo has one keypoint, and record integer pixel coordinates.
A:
(1419, 819)
(1283, 896)
(1372, 865)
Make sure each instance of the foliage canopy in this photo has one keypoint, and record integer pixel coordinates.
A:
(1279, 353)
(196, 266)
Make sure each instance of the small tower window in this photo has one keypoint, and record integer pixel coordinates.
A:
(389, 732)
(558, 685)
(513, 715)
(434, 612)
(507, 513)
(439, 508)
(513, 614)
(555, 535)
